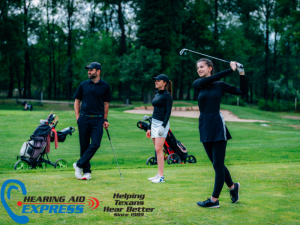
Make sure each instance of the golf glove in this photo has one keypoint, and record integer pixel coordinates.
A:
(161, 131)
(238, 67)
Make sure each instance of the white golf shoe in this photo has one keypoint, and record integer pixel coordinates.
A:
(153, 178)
(159, 180)
(78, 171)
(86, 176)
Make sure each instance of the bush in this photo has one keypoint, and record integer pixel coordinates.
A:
(233, 101)
(276, 106)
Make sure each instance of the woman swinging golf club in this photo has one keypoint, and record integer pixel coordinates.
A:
(160, 125)
(213, 132)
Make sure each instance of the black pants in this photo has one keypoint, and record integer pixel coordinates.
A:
(90, 135)
(216, 154)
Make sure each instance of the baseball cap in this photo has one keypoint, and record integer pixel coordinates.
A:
(94, 65)
(162, 77)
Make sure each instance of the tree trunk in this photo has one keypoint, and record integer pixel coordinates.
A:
(11, 82)
(188, 96)
(106, 22)
(19, 80)
(287, 63)
(26, 49)
(29, 77)
(123, 49)
(58, 84)
(175, 88)
(120, 90)
(180, 89)
(267, 15)
(251, 91)
(53, 53)
(69, 54)
(50, 55)
(215, 21)
(122, 27)
(216, 36)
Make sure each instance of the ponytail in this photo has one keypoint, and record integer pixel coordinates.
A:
(169, 87)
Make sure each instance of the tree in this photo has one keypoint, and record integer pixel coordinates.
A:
(138, 68)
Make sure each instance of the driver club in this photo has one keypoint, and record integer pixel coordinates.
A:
(184, 49)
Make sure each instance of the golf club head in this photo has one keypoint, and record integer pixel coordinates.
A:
(145, 117)
(182, 51)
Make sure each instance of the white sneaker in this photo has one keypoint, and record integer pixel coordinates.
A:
(153, 178)
(78, 171)
(86, 176)
(159, 180)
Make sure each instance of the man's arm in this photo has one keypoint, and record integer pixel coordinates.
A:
(106, 108)
(77, 108)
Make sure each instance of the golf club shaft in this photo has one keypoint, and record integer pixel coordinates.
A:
(182, 51)
(114, 152)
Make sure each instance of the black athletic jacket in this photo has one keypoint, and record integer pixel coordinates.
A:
(209, 92)
(162, 103)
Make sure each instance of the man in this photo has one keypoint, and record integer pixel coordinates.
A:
(95, 96)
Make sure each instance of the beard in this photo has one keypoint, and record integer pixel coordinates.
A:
(93, 75)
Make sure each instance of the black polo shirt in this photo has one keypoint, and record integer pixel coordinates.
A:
(93, 95)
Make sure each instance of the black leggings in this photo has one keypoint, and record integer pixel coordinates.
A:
(216, 154)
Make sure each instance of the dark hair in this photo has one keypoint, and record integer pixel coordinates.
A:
(208, 63)
(169, 87)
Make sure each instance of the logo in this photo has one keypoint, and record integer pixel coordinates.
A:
(45, 204)
(125, 205)
(16, 218)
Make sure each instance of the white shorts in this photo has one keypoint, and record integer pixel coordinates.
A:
(155, 125)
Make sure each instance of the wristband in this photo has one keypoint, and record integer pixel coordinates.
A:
(105, 120)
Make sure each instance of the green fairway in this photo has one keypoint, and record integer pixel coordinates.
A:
(264, 159)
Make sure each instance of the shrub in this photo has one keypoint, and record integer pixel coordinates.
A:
(276, 106)
(233, 101)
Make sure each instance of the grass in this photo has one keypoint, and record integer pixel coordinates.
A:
(265, 160)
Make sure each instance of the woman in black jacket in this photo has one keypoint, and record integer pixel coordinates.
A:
(213, 131)
(160, 125)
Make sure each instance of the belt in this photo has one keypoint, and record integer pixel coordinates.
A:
(92, 116)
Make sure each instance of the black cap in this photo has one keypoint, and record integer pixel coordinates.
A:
(162, 77)
(94, 65)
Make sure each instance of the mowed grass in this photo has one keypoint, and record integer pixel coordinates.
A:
(265, 160)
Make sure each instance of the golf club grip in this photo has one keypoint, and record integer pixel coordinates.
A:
(238, 64)
(107, 134)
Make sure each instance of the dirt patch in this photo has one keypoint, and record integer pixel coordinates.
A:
(292, 117)
(228, 116)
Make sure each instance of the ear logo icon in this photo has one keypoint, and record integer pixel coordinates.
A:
(16, 218)
(93, 203)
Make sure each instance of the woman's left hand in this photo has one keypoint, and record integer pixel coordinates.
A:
(233, 65)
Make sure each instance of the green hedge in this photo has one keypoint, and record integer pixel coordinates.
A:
(233, 101)
(277, 106)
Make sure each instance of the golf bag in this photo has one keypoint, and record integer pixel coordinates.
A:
(27, 106)
(34, 150)
(174, 150)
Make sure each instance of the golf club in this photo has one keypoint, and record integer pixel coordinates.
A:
(114, 153)
(184, 49)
